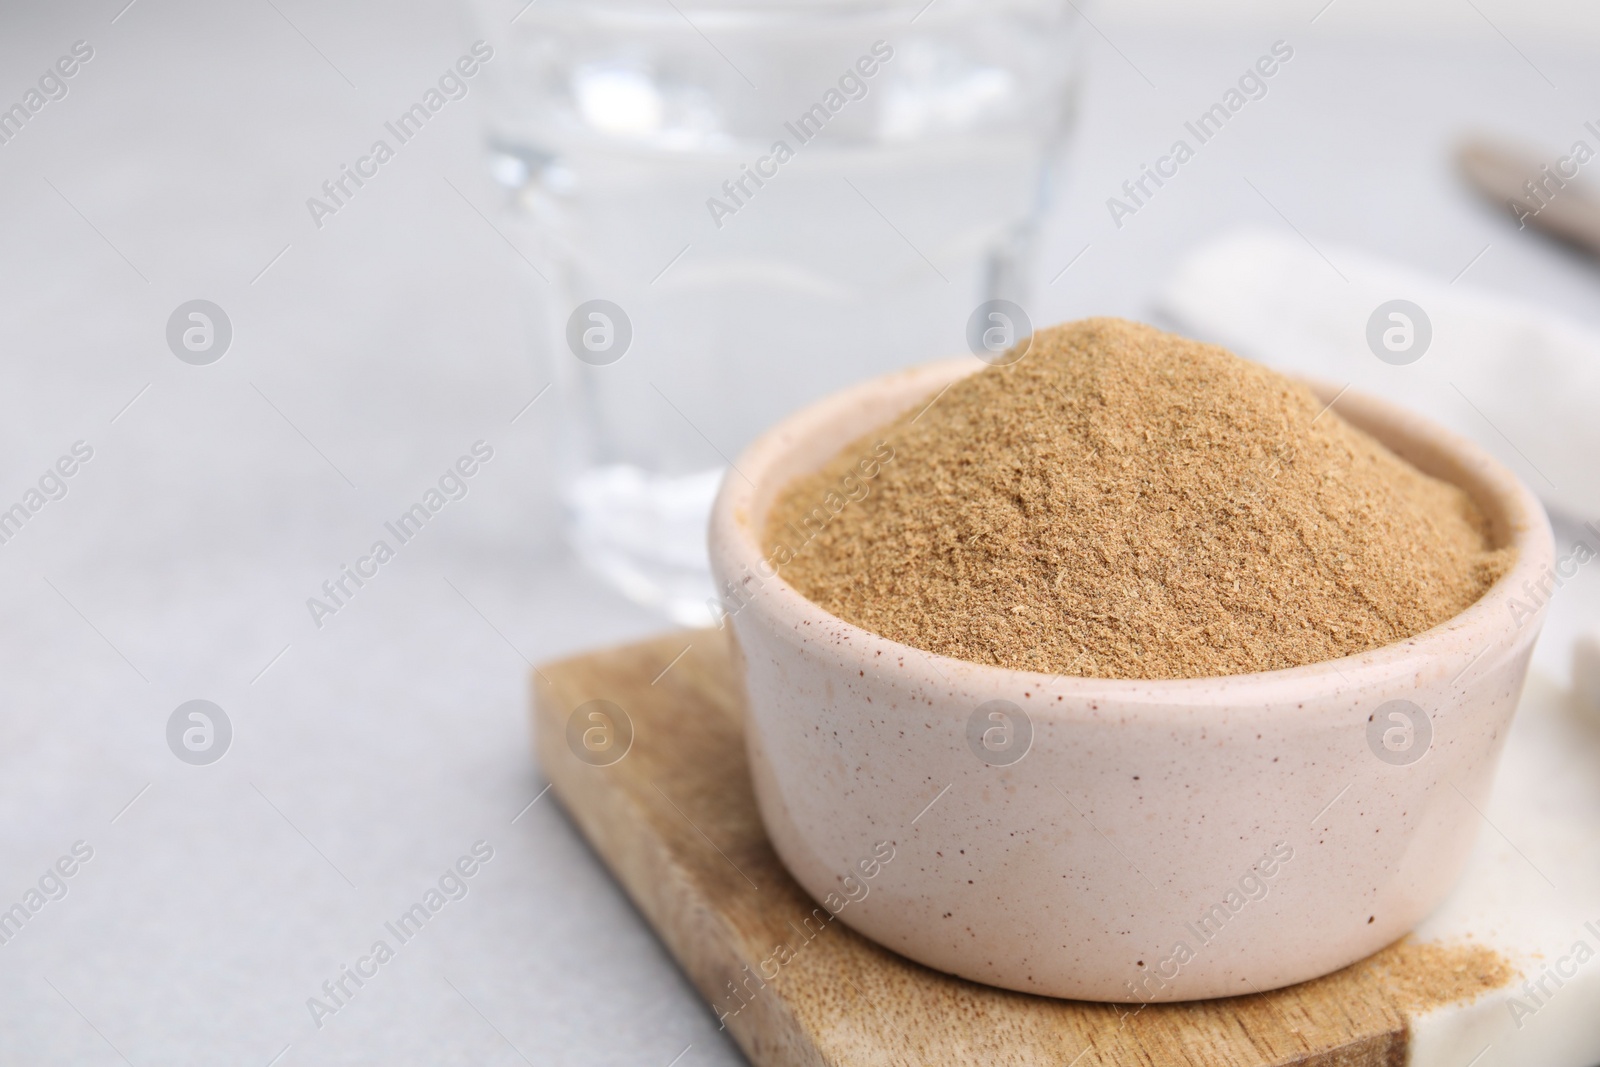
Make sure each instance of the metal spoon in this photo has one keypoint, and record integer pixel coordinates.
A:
(1547, 195)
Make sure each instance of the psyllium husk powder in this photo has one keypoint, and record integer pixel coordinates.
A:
(1125, 503)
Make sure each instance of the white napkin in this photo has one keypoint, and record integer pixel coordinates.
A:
(1518, 379)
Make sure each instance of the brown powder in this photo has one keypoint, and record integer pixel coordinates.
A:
(1418, 976)
(1335, 1015)
(1124, 503)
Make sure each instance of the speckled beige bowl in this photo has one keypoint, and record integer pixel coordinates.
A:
(1109, 839)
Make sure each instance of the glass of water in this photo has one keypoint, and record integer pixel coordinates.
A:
(742, 205)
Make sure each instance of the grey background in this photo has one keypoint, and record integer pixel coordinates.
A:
(377, 749)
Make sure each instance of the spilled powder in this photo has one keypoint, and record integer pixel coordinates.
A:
(1125, 503)
(1420, 975)
(1409, 976)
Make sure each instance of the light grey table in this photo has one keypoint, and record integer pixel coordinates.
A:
(372, 752)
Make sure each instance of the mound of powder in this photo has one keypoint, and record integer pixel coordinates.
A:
(1125, 503)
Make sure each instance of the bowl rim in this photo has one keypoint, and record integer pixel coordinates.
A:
(1466, 637)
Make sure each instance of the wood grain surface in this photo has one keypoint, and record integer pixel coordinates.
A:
(675, 820)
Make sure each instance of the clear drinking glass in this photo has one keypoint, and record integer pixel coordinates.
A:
(744, 205)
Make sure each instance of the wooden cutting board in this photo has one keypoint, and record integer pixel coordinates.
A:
(675, 820)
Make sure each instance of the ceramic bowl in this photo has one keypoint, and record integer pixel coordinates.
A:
(1108, 839)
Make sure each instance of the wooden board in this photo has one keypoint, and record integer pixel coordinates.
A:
(675, 820)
